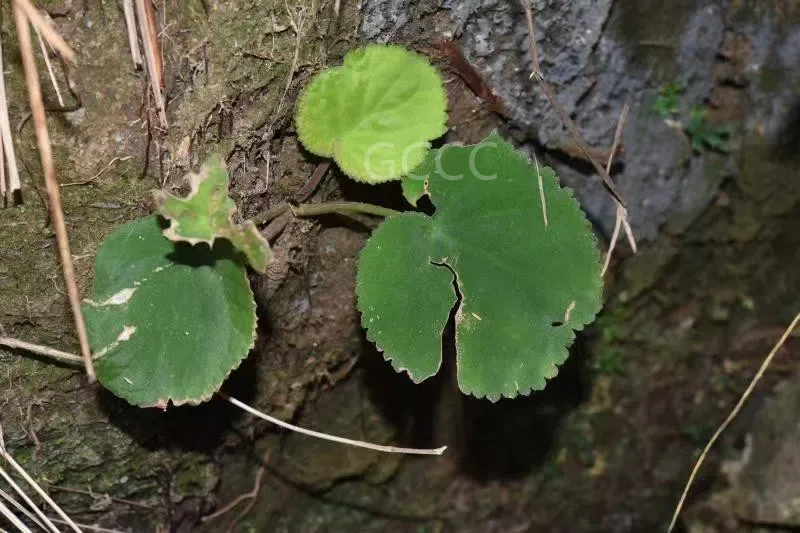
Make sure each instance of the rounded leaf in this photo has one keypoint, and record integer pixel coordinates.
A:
(167, 321)
(525, 286)
(376, 114)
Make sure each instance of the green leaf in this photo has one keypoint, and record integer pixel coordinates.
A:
(376, 114)
(667, 103)
(524, 286)
(206, 214)
(706, 134)
(167, 321)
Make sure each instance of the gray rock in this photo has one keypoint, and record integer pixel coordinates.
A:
(768, 490)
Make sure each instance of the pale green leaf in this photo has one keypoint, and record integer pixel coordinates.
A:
(205, 215)
(525, 287)
(376, 114)
(167, 321)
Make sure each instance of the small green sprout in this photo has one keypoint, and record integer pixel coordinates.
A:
(705, 134)
(667, 103)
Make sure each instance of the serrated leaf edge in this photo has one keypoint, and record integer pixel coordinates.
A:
(195, 180)
(598, 284)
(367, 331)
(302, 124)
(176, 402)
(597, 280)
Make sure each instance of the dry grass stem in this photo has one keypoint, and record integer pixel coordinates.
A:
(133, 38)
(50, 34)
(731, 416)
(562, 115)
(11, 517)
(35, 486)
(21, 493)
(622, 214)
(536, 71)
(614, 237)
(568, 123)
(623, 119)
(252, 495)
(103, 495)
(325, 436)
(41, 350)
(297, 26)
(53, 193)
(100, 173)
(49, 65)
(154, 34)
(2, 167)
(88, 527)
(152, 55)
(5, 135)
(21, 509)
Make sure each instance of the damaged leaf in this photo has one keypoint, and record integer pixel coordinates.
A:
(167, 321)
(205, 215)
(523, 286)
(376, 114)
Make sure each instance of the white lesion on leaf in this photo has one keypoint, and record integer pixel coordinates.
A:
(124, 336)
(118, 298)
(568, 312)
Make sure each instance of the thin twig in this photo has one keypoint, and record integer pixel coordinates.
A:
(90, 527)
(41, 350)
(621, 215)
(53, 194)
(5, 132)
(16, 488)
(21, 493)
(20, 508)
(532, 39)
(623, 118)
(150, 46)
(103, 495)
(102, 171)
(333, 438)
(313, 182)
(35, 486)
(563, 116)
(252, 495)
(50, 34)
(298, 35)
(317, 434)
(2, 157)
(565, 119)
(49, 65)
(568, 123)
(326, 208)
(133, 38)
(11, 517)
(614, 237)
(152, 30)
(731, 416)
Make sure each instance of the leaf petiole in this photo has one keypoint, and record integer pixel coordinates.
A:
(326, 208)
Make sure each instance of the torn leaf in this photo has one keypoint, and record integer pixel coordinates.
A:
(205, 215)
(524, 285)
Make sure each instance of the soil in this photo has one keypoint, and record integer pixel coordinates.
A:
(606, 447)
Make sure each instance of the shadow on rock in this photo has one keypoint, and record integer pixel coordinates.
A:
(189, 427)
(502, 440)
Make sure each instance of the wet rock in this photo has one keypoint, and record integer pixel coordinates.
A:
(768, 490)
